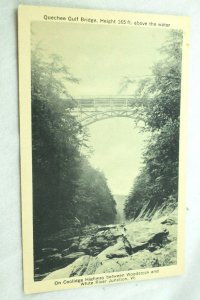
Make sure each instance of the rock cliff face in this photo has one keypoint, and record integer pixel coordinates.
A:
(147, 213)
(113, 248)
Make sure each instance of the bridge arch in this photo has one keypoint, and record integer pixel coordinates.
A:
(92, 109)
(104, 116)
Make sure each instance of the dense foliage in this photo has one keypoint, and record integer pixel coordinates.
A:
(92, 185)
(157, 108)
(65, 186)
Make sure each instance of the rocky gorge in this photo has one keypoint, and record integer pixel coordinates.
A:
(111, 248)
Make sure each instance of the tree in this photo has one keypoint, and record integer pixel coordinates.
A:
(94, 201)
(56, 140)
(158, 107)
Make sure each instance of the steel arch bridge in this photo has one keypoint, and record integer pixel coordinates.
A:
(95, 108)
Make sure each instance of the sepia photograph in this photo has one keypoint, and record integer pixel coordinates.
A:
(105, 113)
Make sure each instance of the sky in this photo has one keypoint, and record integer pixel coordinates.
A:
(101, 56)
(117, 152)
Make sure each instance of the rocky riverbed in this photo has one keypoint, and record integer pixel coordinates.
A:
(112, 248)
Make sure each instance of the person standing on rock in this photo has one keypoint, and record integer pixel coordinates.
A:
(77, 225)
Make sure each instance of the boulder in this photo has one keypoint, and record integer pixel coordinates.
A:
(49, 251)
(107, 266)
(85, 243)
(107, 227)
(169, 221)
(65, 252)
(74, 246)
(53, 261)
(39, 262)
(72, 256)
(77, 268)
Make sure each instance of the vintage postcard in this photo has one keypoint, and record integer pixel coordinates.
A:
(103, 107)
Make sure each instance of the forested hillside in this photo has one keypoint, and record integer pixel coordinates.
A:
(157, 108)
(94, 201)
(66, 189)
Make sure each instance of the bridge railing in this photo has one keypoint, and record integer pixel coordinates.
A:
(104, 102)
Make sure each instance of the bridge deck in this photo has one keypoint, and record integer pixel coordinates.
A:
(117, 101)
